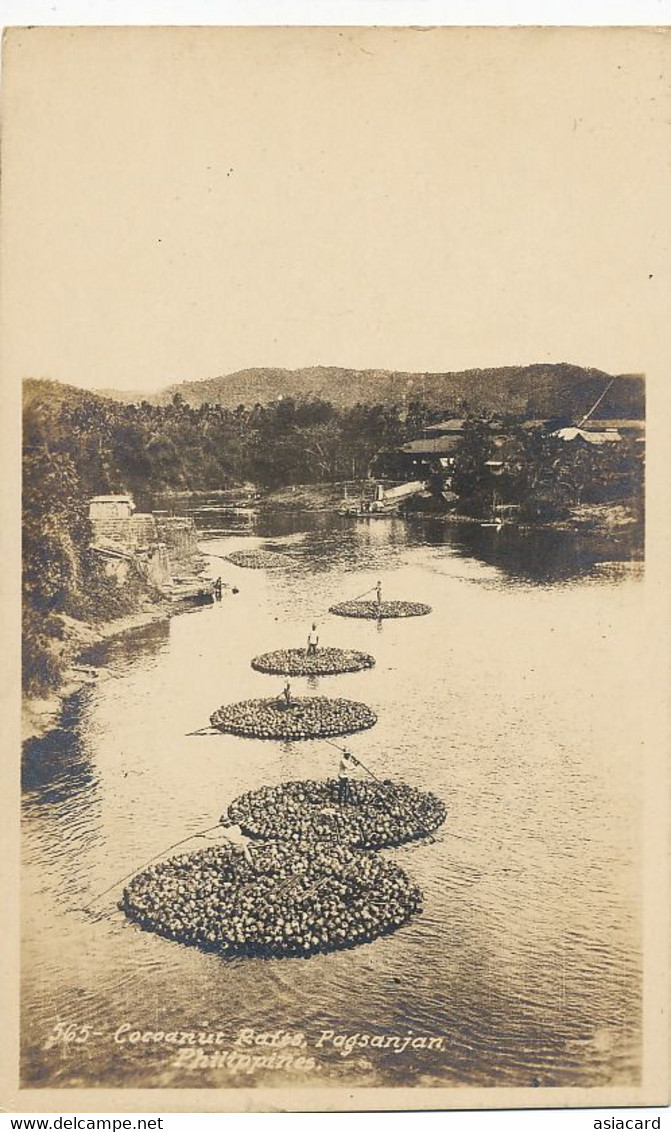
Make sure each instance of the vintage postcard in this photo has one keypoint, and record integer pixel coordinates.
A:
(338, 362)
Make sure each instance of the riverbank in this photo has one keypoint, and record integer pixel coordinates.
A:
(308, 497)
(599, 518)
(240, 490)
(616, 529)
(40, 714)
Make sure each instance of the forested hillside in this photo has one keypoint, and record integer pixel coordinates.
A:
(543, 390)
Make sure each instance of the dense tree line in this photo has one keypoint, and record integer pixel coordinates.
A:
(543, 474)
(147, 449)
(77, 445)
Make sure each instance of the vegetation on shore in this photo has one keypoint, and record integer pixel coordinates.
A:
(63, 581)
(543, 475)
(78, 444)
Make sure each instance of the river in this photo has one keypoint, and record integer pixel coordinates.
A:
(515, 701)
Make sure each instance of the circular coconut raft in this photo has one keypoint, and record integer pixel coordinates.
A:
(323, 662)
(258, 559)
(306, 717)
(285, 903)
(376, 815)
(377, 610)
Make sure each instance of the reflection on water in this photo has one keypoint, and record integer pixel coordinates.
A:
(534, 554)
(146, 642)
(54, 768)
(526, 958)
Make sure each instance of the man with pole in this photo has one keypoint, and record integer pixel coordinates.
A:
(237, 839)
(347, 763)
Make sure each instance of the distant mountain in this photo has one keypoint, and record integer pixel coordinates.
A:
(541, 390)
(43, 391)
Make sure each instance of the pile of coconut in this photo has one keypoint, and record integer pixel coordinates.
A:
(258, 559)
(322, 662)
(377, 610)
(368, 814)
(300, 717)
(287, 902)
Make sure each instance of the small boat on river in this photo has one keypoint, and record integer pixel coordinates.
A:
(381, 500)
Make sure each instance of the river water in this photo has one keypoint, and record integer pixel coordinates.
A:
(515, 701)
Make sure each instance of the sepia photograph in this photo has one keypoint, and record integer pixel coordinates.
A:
(342, 732)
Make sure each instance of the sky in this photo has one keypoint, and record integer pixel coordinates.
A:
(181, 203)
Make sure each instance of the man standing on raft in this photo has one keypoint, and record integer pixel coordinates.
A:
(313, 640)
(347, 763)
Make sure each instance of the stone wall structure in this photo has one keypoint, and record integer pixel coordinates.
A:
(180, 537)
(159, 546)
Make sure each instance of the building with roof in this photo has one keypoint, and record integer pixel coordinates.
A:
(429, 456)
(161, 549)
(454, 426)
(103, 507)
(588, 436)
(432, 447)
(624, 427)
